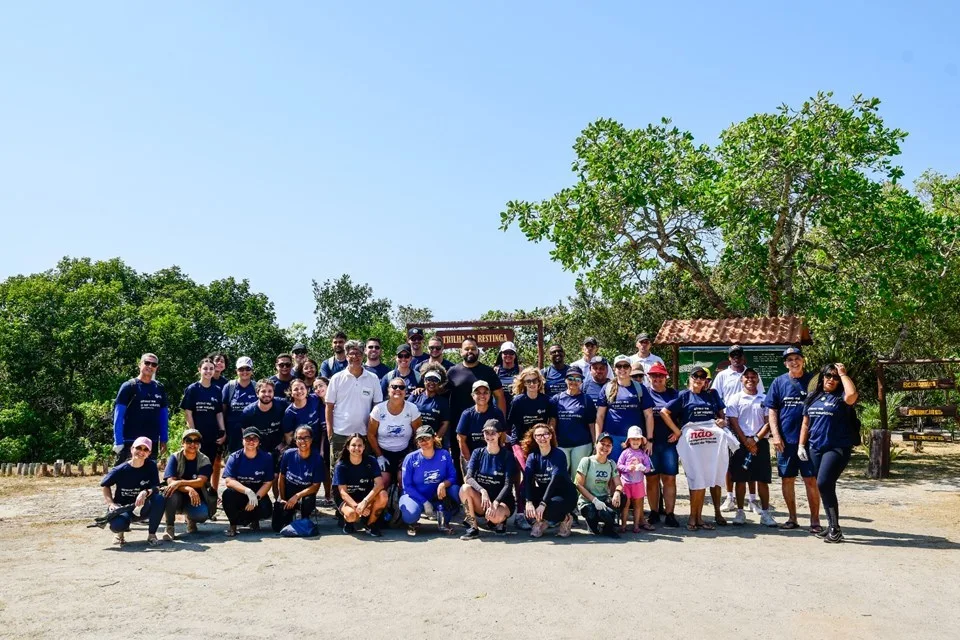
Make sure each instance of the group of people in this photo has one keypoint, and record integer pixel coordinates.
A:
(508, 444)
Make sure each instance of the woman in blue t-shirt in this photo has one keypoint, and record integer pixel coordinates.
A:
(623, 403)
(202, 406)
(696, 403)
(322, 441)
(529, 406)
(487, 484)
(828, 419)
(301, 472)
(507, 368)
(137, 483)
(359, 487)
(551, 496)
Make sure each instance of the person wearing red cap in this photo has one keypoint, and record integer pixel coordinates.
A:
(665, 461)
(137, 482)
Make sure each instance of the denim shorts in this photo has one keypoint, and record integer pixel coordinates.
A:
(665, 459)
(789, 463)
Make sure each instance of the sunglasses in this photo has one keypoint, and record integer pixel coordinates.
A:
(373, 347)
(621, 366)
(151, 363)
(424, 439)
(284, 364)
(398, 387)
(191, 441)
(699, 376)
(531, 381)
(251, 439)
(574, 379)
(435, 348)
(403, 356)
(637, 376)
(141, 448)
(299, 353)
(831, 376)
(245, 369)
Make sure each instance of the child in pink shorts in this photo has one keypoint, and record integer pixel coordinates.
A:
(632, 465)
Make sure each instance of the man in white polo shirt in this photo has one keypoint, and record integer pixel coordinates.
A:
(351, 395)
(751, 462)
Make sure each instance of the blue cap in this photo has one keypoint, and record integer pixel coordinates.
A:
(792, 351)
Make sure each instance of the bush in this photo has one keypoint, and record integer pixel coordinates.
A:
(15, 449)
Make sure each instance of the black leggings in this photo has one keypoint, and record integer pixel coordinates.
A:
(595, 517)
(558, 506)
(235, 506)
(828, 464)
(283, 516)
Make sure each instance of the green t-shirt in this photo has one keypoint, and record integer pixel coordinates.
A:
(597, 477)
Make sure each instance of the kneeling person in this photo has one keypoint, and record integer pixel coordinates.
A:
(359, 487)
(429, 483)
(248, 476)
(137, 482)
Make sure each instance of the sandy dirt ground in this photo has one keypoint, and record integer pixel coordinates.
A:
(895, 577)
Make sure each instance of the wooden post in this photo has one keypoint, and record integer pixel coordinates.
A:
(882, 396)
(45, 470)
(676, 366)
(57, 467)
(879, 466)
(68, 470)
(80, 470)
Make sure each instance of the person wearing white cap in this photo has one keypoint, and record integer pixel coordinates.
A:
(507, 367)
(470, 425)
(623, 402)
(238, 394)
(137, 482)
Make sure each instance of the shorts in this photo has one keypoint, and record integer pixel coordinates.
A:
(617, 447)
(339, 502)
(759, 469)
(635, 490)
(394, 462)
(789, 463)
(664, 459)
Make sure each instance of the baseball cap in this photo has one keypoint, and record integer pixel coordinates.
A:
(508, 346)
(573, 371)
(142, 441)
(480, 383)
(734, 349)
(299, 347)
(244, 361)
(792, 351)
(590, 340)
(403, 348)
(492, 423)
(699, 370)
(656, 367)
(598, 360)
(605, 436)
(191, 432)
(643, 336)
(634, 432)
(251, 431)
(620, 358)
(415, 332)
(433, 375)
(425, 432)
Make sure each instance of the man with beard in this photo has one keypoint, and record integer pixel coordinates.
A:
(595, 377)
(338, 361)
(373, 364)
(590, 349)
(643, 357)
(461, 377)
(555, 373)
(415, 340)
(284, 376)
(435, 355)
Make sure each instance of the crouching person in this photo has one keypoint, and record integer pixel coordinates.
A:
(302, 469)
(248, 475)
(187, 473)
(137, 483)
(429, 482)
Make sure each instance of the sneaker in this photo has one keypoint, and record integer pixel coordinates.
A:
(653, 518)
(833, 535)
(565, 526)
(754, 506)
(191, 526)
(255, 525)
(471, 533)
(348, 528)
(169, 533)
(374, 530)
(119, 540)
(670, 521)
(822, 533)
(740, 518)
(500, 529)
(729, 504)
(536, 531)
(152, 540)
(520, 522)
(766, 519)
(326, 503)
(412, 530)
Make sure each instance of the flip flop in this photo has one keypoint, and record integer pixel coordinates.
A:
(721, 521)
(692, 527)
(815, 529)
(646, 526)
(788, 525)
(707, 526)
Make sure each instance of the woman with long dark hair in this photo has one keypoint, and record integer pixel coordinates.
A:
(828, 421)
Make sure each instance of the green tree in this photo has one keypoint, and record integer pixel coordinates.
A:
(341, 305)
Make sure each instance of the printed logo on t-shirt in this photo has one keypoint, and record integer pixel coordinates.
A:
(702, 436)
(432, 477)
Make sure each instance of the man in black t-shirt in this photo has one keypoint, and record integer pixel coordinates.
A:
(460, 379)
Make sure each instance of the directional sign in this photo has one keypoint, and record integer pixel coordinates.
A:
(947, 411)
(486, 338)
(920, 385)
(927, 437)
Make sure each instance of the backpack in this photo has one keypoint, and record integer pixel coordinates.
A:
(207, 493)
(393, 374)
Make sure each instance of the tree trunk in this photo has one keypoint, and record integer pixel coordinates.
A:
(879, 466)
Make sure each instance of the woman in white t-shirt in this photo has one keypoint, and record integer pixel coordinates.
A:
(390, 432)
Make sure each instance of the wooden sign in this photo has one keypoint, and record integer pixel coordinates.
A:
(486, 338)
(920, 385)
(927, 437)
(947, 411)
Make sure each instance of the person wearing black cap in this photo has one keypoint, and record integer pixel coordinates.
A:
(728, 383)
(488, 483)
(643, 357)
(590, 349)
(595, 377)
(595, 476)
(248, 476)
(415, 340)
(574, 417)
(784, 403)
(188, 477)
(299, 352)
(404, 370)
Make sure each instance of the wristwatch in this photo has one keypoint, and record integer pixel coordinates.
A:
(756, 439)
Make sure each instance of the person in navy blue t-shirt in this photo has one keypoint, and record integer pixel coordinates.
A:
(136, 482)
(784, 402)
(338, 361)
(488, 484)
(555, 373)
(140, 410)
(623, 403)
(404, 370)
(470, 425)
(267, 415)
(219, 366)
(358, 487)
(238, 394)
(551, 496)
(284, 376)
(573, 417)
(415, 342)
(301, 472)
(507, 367)
(202, 406)
(373, 364)
(828, 419)
(434, 407)
(248, 476)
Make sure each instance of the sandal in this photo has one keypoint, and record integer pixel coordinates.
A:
(636, 528)
(646, 526)
(152, 540)
(815, 529)
(692, 526)
(231, 532)
(720, 521)
(707, 526)
(788, 525)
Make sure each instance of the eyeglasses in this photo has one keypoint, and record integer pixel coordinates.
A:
(424, 439)
(245, 369)
(141, 448)
(284, 364)
(151, 363)
(541, 436)
(398, 387)
(191, 441)
(433, 348)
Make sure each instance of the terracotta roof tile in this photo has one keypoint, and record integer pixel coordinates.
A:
(745, 331)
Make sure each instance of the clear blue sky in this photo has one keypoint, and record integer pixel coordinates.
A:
(341, 139)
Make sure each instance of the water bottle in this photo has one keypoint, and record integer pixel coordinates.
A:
(747, 461)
